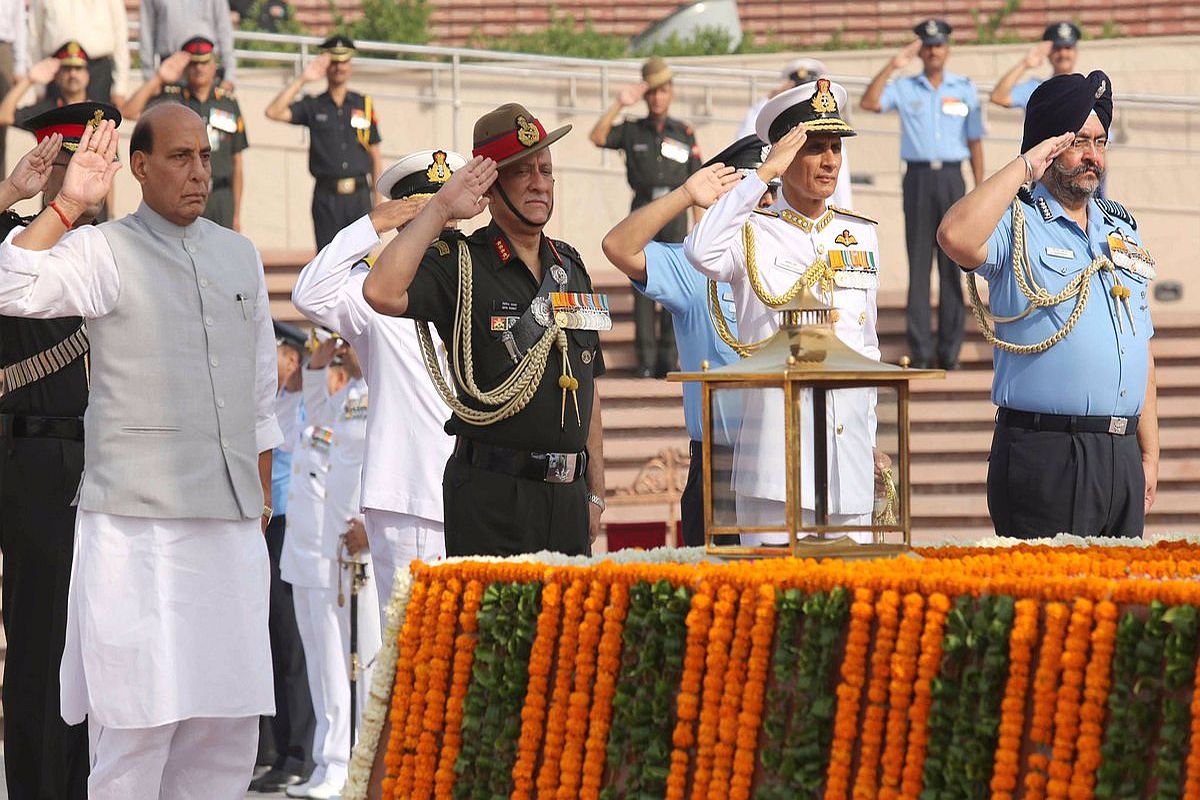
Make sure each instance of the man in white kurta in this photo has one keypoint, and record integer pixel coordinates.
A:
(167, 652)
(406, 443)
(786, 244)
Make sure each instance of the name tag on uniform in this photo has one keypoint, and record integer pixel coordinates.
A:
(358, 119)
(953, 107)
(790, 265)
(1060, 252)
(675, 151)
(1127, 254)
(581, 312)
(222, 120)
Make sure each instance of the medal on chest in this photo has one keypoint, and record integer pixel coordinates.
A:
(321, 438)
(580, 311)
(1127, 254)
(358, 119)
(355, 407)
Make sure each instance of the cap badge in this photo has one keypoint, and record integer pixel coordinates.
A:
(845, 238)
(823, 101)
(439, 171)
(73, 49)
(931, 28)
(96, 119)
(527, 133)
(1064, 31)
(1101, 88)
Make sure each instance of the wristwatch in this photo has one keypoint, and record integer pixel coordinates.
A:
(597, 501)
(268, 512)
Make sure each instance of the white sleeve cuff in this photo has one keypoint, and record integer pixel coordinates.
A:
(267, 435)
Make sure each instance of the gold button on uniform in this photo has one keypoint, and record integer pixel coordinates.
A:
(840, 428)
(835, 315)
(862, 318)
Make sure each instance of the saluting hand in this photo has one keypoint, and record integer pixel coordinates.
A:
(30, 174)
(905, 56)
(91, 170)
(782, 153)
(1041, 154)
(705, 186)
(172, 67)
(632, 93)
(315, 69)
(44, 71)
(462, 196)
(395, 214)
(1037, 54)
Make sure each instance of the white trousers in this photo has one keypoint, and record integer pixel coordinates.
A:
(396, 541)
(325, 635)
(195, 759)
(759, 511)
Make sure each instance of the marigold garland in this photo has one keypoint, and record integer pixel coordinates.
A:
(556, 718)
(887, 610)
(460, 677)
(750, 718)
(1066, 713)
(1045, 696)
(900, 689)
(416, 711)
(608, 662)
(1096, 685)
(1012, 710)
(571, 767)
(410, 639)
(731, 697)
(849, 694)
(1192, 774)
(533, 714)
(699, 622)
(436, 692)
(716, 658)
(928, 665)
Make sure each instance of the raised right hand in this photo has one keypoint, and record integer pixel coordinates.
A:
(1041, 154)
(905, 56)
(91, 170)
(44, 71)
(705, 186)
(462, 196)
(172, 67)
(315, 69)
(1037, 54)
(632, 93)
(395, 214)
(30, 174)
(782, 153)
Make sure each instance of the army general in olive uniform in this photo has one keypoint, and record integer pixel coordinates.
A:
(196, 65)
(660, 153)
(527, 472)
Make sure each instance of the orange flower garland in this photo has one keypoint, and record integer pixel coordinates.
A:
(460, 678)
(1012, 709)
(435, 694)
(1095, 699)
(1066, 713)
(849, 694)
(928, 665)
(410, 638)
(1192, 780)
(731, 698)
(571, 767)
(716, 658)
(556, 718)
(904, 672)
(1045, 695)
(608, 665)
(416, 709)
(887, 610)
(757, 671)
(687, 704)
(533, 713)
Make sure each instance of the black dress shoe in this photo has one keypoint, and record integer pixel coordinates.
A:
(273, 781)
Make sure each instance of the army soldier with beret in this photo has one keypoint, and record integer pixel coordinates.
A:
(527, 472)
(660, 152)
(941, 126)
(196, 64)
(1076, 443)
(343, 153)
(1059, 46)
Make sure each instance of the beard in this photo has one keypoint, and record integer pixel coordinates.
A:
(1071, 184)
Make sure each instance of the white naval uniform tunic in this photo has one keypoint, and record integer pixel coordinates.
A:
(167, 617)
(783, 252)
(303, 561)
(406, 443)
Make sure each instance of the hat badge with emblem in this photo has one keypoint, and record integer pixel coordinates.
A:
(1064, 30)
(73, 49)
(96, 119)
(931, 28)
(1101, 89)
(823, 102)
(527, 132)
(439, 171)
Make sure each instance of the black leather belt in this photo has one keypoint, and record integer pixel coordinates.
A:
(342, 185)
(25, 427)
(222, 183)
(935, 165)
(1064, 423)
(546, 467)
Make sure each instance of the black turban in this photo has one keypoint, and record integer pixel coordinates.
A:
(1063, 103)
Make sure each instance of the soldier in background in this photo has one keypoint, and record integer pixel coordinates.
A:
(1059, 46)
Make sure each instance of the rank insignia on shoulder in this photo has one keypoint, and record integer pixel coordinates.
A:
(766, 212)
(442, 248)
(1025, 195)
(501, 248)
(848, 213)
(845, 238)
(1044, 208)
(1115, 209)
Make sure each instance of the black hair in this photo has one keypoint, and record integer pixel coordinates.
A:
(142, 140)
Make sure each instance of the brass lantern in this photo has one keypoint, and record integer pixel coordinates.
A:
(769, 477)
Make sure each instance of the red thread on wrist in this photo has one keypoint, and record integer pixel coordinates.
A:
(54, 206)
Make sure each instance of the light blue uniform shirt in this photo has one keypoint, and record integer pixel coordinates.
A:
(935, 124)
(672, 282)
(281, 469)
(1100, 368)
(1023, 91)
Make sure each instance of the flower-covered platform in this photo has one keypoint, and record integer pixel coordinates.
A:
(1054, 670)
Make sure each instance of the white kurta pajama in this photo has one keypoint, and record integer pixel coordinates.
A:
(406, 443)
(783, 252)
(166, 642)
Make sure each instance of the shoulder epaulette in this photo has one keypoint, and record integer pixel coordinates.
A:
(1115, 209)
(363, 262)
(567, 250)
(847, 212)
(1025, 195)
(766, 212)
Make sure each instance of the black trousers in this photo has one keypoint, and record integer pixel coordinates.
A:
(928, 195)
(291, 729)
(493, 514)
(1042, 483)
(332, 211)
(44, 758)
(691, 502)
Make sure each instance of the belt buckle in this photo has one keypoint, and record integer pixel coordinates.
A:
(346, 185)
(560, 467)
(1118, 425)
(935, 164)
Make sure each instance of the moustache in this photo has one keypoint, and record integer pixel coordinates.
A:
(1082, 169)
